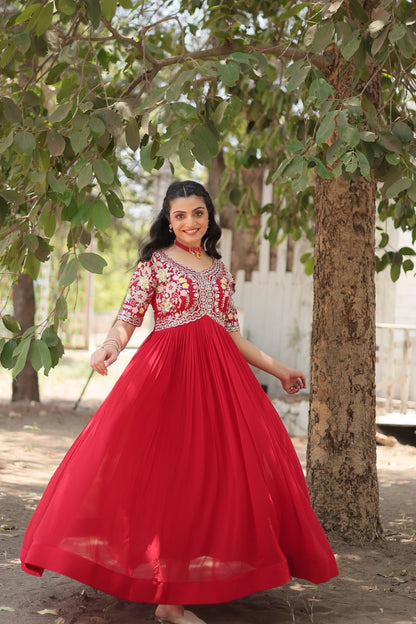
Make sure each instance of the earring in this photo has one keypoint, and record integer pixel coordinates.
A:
(170, 227)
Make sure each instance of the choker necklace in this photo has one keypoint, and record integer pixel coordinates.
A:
(195, 251)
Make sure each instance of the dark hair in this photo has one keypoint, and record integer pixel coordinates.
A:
(161, 237)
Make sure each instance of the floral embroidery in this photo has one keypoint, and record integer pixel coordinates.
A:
(180, 295)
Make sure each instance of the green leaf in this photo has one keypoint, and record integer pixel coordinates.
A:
(61, 308)
(7, 357)
(3, 608)
(92, 262)
(397, 32)
(58, 186)
(21, 351)
(97, 125)
(94, 12)
(407, 251)
(45, 19)
(108, 8)
(25, 142)
(384, 239)
(100, 214)
(31, 241)
(403, 132)
(60, 113)
(363, 164)
(411, 192)
(321, 170)
(27, 12)
(79, 139)
(47, 221)
(347, 133)
(114, 205)
(50, 337)
(406, 46)
(326, 127)
(395, 272)
(183, 110)
(358, 11)
(169, 147)
(133, 134)
(395, 189)
(56, 143)
(219, 112)
(350, 47)
(146, 159)
(205, 144)
(380, 43)
(85, 176)
(8, 55)
(11, 323)
(319, 36)
(103, 171)
(69, 273)
(11, 111)
(297, 74)
(32, 266)
(6, 142)
(67, 7)
(320, 89)
(40, 356)
(185, 154)
(294, 145)
(229, 73)
(367, 136)
(408, 265)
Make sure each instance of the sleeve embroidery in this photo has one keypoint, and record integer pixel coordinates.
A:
(231, 323)
(140, 294)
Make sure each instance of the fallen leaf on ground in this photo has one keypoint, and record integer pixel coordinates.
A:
(48, 612)
(3, 608)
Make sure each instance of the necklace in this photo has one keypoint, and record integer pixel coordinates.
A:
(195, 251)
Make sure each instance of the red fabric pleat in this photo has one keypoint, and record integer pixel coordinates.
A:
(184, 487)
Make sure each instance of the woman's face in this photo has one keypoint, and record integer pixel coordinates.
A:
(189, 219)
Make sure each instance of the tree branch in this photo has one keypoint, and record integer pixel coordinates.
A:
(322, 62)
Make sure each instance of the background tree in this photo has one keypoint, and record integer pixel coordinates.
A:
(319, 95)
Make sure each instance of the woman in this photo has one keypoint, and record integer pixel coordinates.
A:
(184, 487)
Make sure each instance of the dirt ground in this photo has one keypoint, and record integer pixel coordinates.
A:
(376, 585)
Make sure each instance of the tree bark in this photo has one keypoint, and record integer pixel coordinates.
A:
(25, 386)
(341, 456)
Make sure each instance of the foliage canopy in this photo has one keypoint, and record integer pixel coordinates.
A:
(97, 91)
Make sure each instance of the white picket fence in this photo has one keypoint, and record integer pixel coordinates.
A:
(275, 309)
(396, 366)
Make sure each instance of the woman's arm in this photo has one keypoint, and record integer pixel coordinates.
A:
(291, 379)
(117, 339)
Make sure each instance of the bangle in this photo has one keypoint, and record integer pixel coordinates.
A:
(112, 342)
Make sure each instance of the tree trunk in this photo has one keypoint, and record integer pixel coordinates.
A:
(341, 456)
(25, 386)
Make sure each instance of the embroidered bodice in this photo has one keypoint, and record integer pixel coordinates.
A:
(179, 294)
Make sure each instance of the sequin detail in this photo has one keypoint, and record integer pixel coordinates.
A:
(180, 295)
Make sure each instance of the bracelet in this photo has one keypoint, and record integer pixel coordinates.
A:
(112, 342)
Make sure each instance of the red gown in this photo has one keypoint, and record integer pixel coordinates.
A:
(184, 487)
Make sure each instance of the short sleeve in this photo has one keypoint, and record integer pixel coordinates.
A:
(140, 294)
(231, 321)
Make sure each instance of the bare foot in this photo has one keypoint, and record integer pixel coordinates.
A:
(176, 614)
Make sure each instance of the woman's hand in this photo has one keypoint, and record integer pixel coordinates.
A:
(293, 381)
(102, 358)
